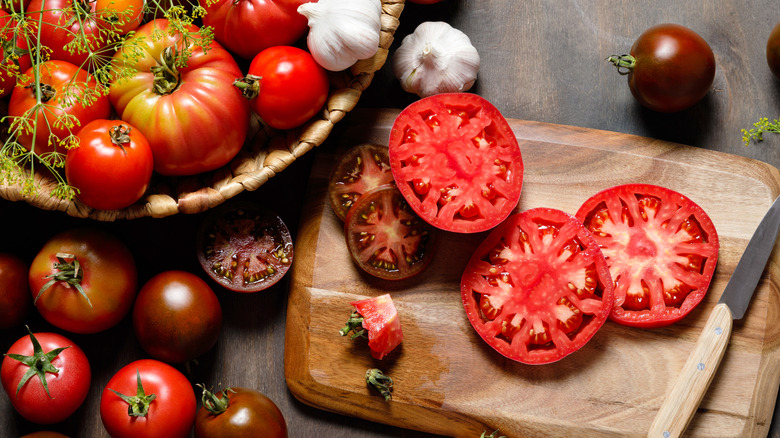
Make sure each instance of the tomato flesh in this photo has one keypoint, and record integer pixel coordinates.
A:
(661, 248)
(538, 288)
(380, 318)
(360, 169)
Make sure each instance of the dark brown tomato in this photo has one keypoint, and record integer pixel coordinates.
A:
(773, 51)
(360, 169)
(15, 299)
(237, 413)
(244, 247)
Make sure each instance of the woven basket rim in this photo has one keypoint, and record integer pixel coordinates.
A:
(265, 153)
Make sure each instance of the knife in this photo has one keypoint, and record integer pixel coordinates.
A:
(697, 373)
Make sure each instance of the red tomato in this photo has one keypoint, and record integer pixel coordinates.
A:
(285, 86)
(112, 166)
(457, 162)
(14, 5)
(386, 238)
(15, 59)
(59, 364)
(379, 316)
(84, 280)
(120, 16)
(661, 249)
(773, 51)
(239, 413)
(244, 247)
(194, 120)
(176, 317)
(15, 301)
(538, 288)
(65, 21)
(159, 396)
(45, 434)
(360, 169)
(670, 68)
(55, 78)
(247, 27)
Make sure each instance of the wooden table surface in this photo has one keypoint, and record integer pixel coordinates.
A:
(541, 61)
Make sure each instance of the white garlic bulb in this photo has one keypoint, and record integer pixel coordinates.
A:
(436, 58)
(341, 32)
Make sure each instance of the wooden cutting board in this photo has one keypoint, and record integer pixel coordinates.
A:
(449, 382)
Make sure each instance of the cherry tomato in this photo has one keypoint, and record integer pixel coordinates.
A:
(379, 317)
(773, 51)
(247, 27)
(661, 249)
(112, 166)
(55, 78)
(670, 68)
(15, 301)
(84, 280)
(159, 396)
(244, 247)
(15, 59)
(120, 16)
(237, 413)
(360, 169)
(456, 161)
(176, 317)
(538, 288)
(65, 21)
(285, 86)
(57, 363)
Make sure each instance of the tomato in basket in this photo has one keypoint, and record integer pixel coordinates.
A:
(661, 249)
(456, 161)
(538, 288)
(360, 169)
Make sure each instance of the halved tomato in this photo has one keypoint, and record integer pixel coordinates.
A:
(360, 169)
(244, 247)
(386, 238)
(380, 317)
(661, 249)
(538, 288)
(456, 161)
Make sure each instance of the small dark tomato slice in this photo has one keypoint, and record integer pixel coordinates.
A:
(386, 238)
(538, 288)
(661, 249)
(244, 247)
(360, 169)
(456, 161)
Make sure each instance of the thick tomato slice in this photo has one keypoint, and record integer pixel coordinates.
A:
(538, 288)
(360, 169)
(456, 161)
(380, 318)
(661, 249)
(386, 238)
(244, 247)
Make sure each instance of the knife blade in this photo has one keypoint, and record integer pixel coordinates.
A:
(682, 401)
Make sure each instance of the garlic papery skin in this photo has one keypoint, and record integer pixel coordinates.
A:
(342, 32)
(436, 58)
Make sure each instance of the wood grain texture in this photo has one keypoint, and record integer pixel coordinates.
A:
(449, 382)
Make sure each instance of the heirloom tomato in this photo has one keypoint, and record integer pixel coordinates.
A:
(773, 51)
(456, 161)
(379, 317)
(112, 166)
(15, 301)
(661, 249)
(244, 247)
(285, 86)
(84, 280)
(247, 27)
(360, 169)
(194, 120)
(71, 30)
(46, 377)
(538, 288)
(15, 58)
(386, 238)
(237, 413)
(121, 16)
(669, 68)
(148, 399)
(176, 317)
(63, 90)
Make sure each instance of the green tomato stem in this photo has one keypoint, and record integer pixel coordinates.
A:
(39, 363)
(354, 325)
(378, 381)
(69, 272)
(625, 64)
(213, 404)
(249, 86)
(138, 405)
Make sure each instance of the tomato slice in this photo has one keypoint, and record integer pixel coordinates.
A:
(661, 249)
(456, 161)
(386, 238)
(538, 288)
(360, 169)
(244, 247)
(380, 318)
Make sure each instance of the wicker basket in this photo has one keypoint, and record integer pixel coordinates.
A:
(266, 152)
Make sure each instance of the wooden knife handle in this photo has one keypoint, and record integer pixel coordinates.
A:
(697, 373)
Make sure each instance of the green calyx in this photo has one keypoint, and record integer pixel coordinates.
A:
(120, 136)
(213, 404)
(624, 63)
(138, 404)
(354, 325)
(68, 270)
(378, 381)
(492, 435)
(166, 75)
(249, 86)
(39, 363)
